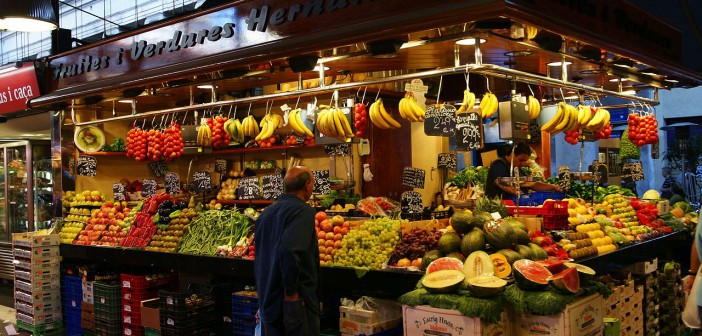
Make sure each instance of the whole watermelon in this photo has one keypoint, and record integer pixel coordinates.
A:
(473, 241)
(500, 235)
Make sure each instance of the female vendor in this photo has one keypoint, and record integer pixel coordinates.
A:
(500, 168)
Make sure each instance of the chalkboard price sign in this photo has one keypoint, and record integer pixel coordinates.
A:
(148, 187)
(440, 120)
(220, 166)
(469, 131)
(202, 181)
(321, 182)
(447, 160)
(632, 171)
(118, 192)
(413, 177)
(340, 149)
(87, 166)
(248, 188)
(159, 168)
(411, 202)
(272, 186)
(172, 184)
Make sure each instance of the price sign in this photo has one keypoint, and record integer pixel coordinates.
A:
(159, 168)
(413, 177)
(87, 166)
(172, 184)
(202, 181)
(469, 132)
(340, 149)
(220, 166)
(148, 187)
(447, 160)
(440, 120)
(118, 192)
(321, 182)
(272, 186)
(248, 188)
(632, 171)
(411, 202)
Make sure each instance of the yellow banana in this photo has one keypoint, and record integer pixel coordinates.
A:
(534, 107)
(551, 125)
(346, 125)
(321, 126)
(264, 129)
(596, 121)
(293, 120)
(403, 106)
(386, 116)
(488, 105)
(301, 124)
(376, 119)
(564, 122)
(468, 101)
(573, 119)
(239, 130)
(530, 32)
(338, 127)
(417, 112)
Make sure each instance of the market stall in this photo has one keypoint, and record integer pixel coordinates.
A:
(179, 134)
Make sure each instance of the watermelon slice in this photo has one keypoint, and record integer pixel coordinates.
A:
(445, 263)
(566, 282)
(444, 281)
(554, 265)
(530, 275)
(586, 273)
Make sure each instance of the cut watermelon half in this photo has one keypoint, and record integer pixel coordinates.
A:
(445, 263)
(553, 265)
(567, 282)
(530, 275)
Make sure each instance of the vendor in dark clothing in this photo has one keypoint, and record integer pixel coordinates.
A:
(287, 260)
(500, 168)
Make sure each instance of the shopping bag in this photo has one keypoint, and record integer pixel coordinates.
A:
(691, 315)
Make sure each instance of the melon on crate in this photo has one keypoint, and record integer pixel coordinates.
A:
(567, 281)
(478, 263)
(445, 263)
(473, 241)
(429, 257)
(442, 282)
(501, 266)
(449, 242)
(499, 235)
(485, 285)
(530, 275)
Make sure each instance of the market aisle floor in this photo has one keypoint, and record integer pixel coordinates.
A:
(7, 314)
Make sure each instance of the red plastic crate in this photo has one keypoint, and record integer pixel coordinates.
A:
(129, 329)
(550, 208)
(131, 306)
(555, 222)
(133, 318)
(129, 294)
(136, 282)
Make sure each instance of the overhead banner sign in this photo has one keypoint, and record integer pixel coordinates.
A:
(18, 86)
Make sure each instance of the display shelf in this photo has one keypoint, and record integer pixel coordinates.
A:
(246, 202)
(260, 149)
(104, 153)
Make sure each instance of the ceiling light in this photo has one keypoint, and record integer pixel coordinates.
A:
(317, 68)
(592, 71)
(125, 101)
(470, 41)
(412, 44)
(650, 72)
(553, 64)
(571, 97)
(615, 80)
(629, 92)
(672, 80)
(206, 86)
(623, 63)
(28, 16)
(518, 53)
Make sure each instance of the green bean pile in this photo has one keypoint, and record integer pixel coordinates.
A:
(214, 228)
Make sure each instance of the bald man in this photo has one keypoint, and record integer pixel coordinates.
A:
(287, 260)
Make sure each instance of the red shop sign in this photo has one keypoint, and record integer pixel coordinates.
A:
(16, 87)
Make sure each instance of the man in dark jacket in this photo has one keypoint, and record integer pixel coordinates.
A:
(287, 260)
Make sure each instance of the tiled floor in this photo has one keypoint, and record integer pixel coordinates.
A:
(7, 314)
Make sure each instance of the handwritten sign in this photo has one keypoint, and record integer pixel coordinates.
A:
(272, 186)
(411, 202)
(159, 168)
(440, 120)
(413, 177)
(148, 187)
(202, 181)
(632, 171)
(172, 184)
(340, 149)
(248, 188)
(447, 160)
(87, 166)
(118, 192)
(220, 166)
(321, 182)
(469, 131)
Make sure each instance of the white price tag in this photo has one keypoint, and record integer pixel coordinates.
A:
(285, 108)
(102, 300)
(496, 215)
(128, 308)
(169, 301)
(127, 319)
(127, 331)
(170, 322)
(126, 284)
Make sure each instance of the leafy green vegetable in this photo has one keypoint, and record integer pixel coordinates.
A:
(537, 303)
(413, 298)
(443, 301)
(476, 176)
(214, 228)
(487, 309)
(485, 204)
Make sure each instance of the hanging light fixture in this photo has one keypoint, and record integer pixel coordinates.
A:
(28, 16)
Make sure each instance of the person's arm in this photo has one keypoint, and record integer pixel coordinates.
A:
(540, 186)
(294, 242)
(694, 259)
(507, 189)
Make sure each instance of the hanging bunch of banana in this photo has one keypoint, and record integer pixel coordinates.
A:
(410, 110)
(204, 135)
(296, 123)
(250, 127)
(530, 32)
(534, 107)
(269, 124)
(235, 129)
(565, 120)
(599, 120)
(380, 117)
(584, 115)
(468, 101)
(488, 105)
(332, 122)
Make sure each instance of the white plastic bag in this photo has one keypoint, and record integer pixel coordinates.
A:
(691, 314)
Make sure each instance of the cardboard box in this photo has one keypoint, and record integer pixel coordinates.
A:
(425, 320)
(31, 240)
(37, 252)
(88, 296)
(38, 286)
(39, 308)
(40, 318)
(583, 317)
(150, 314)
(643, 267)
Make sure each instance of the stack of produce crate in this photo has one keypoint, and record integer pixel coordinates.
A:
(37, 283)
(244, 307)
(72, 295)
(646, 275)
(670, 292)
(626, 304)
(137, 288)
(108, 308)
(186, 313)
